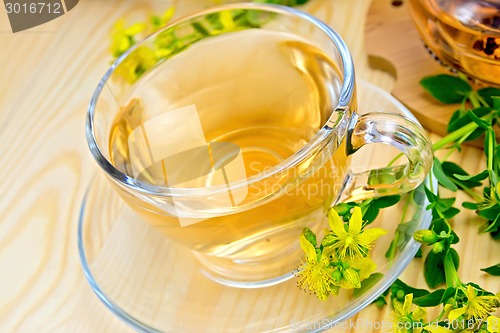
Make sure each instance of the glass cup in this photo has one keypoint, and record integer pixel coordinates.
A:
(462, 34)
(231, 130)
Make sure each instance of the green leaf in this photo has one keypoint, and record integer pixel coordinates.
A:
(432, 299)
(419, 253)
(495, 234)
(496, 103)
(476, 178)
(370, 213)
(434, 269)
(400, 285)
(452, 170)
(442, 177)
(445, 203)
(449, 292)
(200, 28)
(391, 250)
(454, 120)
(480, 122)
(492, 270)
(431, 196)
(459, 120)
(490, 213)
(446, 88)
(475, 135)
(492, 225)
(418, 195)
(481, 290)
(493, 177)
(367, 283)
(470, 205)
(451, 212)
(488, 93)
(387, 201)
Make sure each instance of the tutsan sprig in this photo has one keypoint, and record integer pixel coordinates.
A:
(465, 307)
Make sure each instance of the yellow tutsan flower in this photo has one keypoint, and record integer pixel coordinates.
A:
(159, 22)
(143, 58)
(124, 38)
(137, 62)
(226, 19)
(355, 243)
(404, 319)
(476, 307)
(315, 274)
(365, 267)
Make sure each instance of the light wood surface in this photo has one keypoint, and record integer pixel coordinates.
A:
(47, 77)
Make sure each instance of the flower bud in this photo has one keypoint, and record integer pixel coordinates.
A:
(380, 302)
(425, 236)
(337, 276)
(342, 209)
(352, 277)
(310, 236)
(438, 247)
(329, 240)
(400, 295)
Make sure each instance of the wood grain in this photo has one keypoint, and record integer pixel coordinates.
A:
(48, 76)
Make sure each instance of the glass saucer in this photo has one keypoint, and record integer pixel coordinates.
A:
(155, 285)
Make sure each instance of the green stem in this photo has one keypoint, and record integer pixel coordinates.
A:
(474, 99)
(395, 159)
(441, 315)
(460, 133)
(445, 220)
(456, 135)
(440, 214)
(448, 154)
(393, 247)
(431, 186)
(450, 272)
(491, 153)
(467, 190)
(482, 101)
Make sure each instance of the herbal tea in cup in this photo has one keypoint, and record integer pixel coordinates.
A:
(237, 134)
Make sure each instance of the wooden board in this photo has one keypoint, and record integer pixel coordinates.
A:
(394, 45)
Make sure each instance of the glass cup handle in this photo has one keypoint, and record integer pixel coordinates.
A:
(399, 132)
